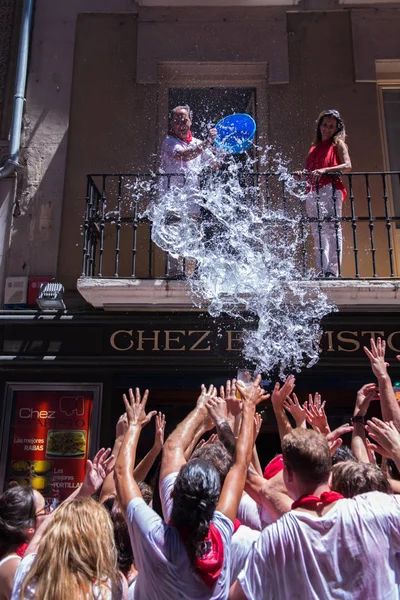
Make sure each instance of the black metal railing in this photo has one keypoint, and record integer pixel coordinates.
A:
(117, 239)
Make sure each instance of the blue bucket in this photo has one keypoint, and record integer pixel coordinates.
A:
(235, 133)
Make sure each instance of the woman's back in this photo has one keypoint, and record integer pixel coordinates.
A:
(165, 570)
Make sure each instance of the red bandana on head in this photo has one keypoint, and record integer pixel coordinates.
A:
(313, 501)
(188, 138)
(209, 566)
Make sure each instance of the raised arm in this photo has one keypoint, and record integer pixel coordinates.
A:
(292, 405)
(218, 411)
(365, 395)
(142, 469)
(387, 436)
(181, 438)
(108, 488)
(315, 414)
(389, 406)
(278, 398)
(271, 494)
(234, 483)
(96, 472)
(125, 483)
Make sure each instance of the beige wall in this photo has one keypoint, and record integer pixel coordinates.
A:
(92, 115)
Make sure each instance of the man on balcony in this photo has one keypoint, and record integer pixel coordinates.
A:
(185, 157)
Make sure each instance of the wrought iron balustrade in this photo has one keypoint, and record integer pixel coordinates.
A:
(117, 238)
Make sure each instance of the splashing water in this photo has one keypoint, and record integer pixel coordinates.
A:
(247, 255)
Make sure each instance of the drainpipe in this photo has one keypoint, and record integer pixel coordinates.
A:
(7, 187)
(10, 166)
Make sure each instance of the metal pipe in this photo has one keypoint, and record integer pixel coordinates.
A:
(12, 164)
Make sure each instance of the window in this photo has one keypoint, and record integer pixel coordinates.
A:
(391, 113)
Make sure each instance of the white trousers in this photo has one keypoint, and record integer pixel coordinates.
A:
(327, 235)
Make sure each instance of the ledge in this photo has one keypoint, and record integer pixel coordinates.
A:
(159, 294)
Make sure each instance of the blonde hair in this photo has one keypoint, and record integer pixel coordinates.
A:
(76, 555)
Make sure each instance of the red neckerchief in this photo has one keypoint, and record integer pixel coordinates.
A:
(274, 467)
(188, 139)
(209, 566)
(236, 525)
(312, 501)
(21, 550)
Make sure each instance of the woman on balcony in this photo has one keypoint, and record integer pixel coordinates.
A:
(326, 193)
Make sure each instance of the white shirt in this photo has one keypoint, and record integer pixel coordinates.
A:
(347, 554)
(253, 515)
(170, 163)
(242, 539)
(165, 570)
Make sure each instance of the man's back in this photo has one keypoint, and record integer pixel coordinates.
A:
(348, 553)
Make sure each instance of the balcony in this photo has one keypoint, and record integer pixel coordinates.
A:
(124, 269)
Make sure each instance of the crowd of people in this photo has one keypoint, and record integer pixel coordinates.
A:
(320, 521)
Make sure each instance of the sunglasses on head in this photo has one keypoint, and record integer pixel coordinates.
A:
(334, 113)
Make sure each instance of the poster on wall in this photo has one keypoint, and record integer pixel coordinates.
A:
(50, 437)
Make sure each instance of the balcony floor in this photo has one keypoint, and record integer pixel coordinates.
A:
(365, 295)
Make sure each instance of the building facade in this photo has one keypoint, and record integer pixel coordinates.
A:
(102, 77)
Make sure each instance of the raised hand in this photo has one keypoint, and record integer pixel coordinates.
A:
(315, 413)
(280, 394)
(257, 425)
(253, 394)
(234, 404)
(217, 409)
(160, 430)
(135, 408)
(377, 357)
(205, 394)
(365, 395)
(298, 413)
(385, 434)
(97, 470)
(213, 437)
(122, 426)
(334, 439)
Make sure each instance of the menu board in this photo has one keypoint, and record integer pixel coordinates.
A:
(49, 440)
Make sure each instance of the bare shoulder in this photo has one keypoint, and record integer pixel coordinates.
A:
(341, 144)
(7, 574)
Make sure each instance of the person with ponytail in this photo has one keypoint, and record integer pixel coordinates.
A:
(326, 193)
(22, 510)
(189, 557)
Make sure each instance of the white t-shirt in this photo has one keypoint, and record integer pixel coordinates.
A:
(242, 539)
(165, 571)
(190, 168)
(348, 554)
(30, 594)
(253, 515)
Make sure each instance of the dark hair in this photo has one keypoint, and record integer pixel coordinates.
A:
(342, 454)
(217, 455)
(146, 490)
(351, 478)
(307, 454)
(340, 133)
(196, 493)
(122, 540)
(17, 513)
